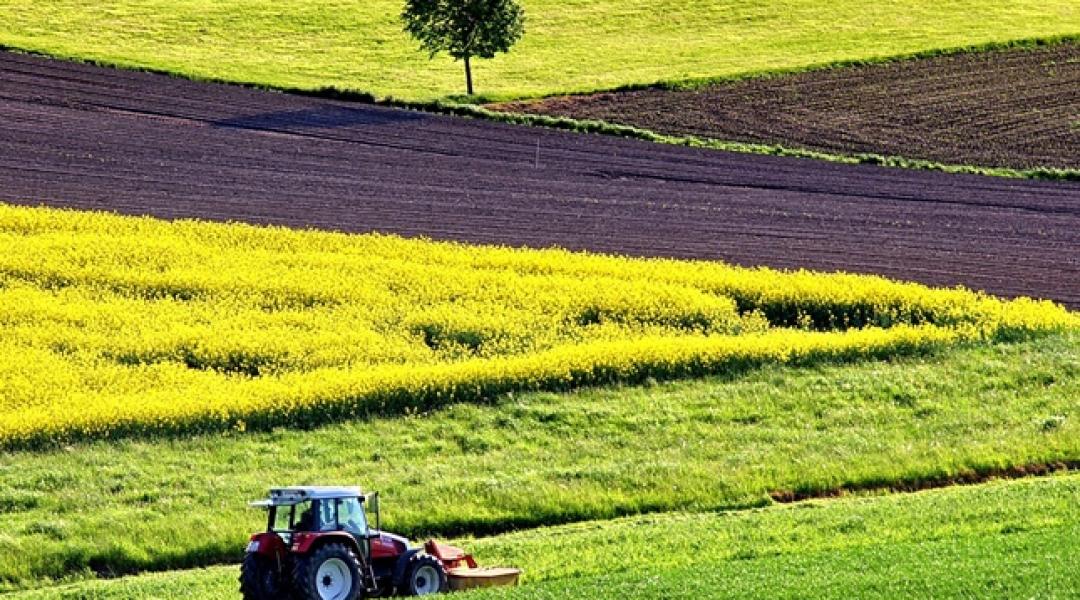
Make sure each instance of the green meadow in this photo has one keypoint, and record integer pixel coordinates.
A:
(569, 46)
(1014, 539)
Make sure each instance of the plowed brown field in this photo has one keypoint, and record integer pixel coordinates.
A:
(1014, 108)
(86, 137)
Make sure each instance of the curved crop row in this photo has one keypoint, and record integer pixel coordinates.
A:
(132, 326)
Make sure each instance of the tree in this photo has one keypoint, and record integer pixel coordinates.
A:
(464, 28)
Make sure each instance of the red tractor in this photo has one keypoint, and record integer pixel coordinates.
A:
(320, 545)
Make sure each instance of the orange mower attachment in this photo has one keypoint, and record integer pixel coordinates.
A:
(462, 571)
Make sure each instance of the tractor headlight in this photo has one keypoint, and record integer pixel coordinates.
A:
(253, 546)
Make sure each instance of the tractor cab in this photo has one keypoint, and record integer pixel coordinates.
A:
(326, 543)
(297, 513)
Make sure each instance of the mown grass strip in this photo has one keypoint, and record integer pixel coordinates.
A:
(1014, 539)
(528, 460)
(974, 476)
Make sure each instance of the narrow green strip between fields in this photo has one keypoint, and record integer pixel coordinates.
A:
(539, 459)
(1004, 539)
(605, 128)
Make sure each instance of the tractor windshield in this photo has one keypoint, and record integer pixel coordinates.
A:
(331, 514)
(351, 517)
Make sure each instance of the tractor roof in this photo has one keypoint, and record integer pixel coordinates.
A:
(288, 496)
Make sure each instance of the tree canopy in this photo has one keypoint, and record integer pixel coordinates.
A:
(464, 28)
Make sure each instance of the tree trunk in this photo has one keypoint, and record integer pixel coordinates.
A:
(468, 75)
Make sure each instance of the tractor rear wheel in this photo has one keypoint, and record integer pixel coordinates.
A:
(259, 580)
(424, 576)
(330, 573)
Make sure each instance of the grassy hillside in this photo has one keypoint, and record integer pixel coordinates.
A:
(1000, 540)
(536, 459)
(570, 45)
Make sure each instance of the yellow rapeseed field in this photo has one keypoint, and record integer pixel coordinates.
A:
(113, 326)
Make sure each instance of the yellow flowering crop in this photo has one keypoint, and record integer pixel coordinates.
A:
(129, 326)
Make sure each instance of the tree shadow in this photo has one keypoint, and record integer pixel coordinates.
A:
(320, 117)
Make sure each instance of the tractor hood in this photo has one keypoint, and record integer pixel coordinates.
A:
(397, 540)
(387, 545)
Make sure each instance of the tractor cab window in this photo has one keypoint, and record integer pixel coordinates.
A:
(325, 514)
(282, 519)
(351, 517)
(305, 517)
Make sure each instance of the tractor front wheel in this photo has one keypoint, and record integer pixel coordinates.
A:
(259, 580)
(424, 576)
(330, 573)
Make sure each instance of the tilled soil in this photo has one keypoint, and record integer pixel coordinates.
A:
(1014, 108)
(80, 136)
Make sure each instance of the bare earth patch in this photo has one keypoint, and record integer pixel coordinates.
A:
(1013, 108)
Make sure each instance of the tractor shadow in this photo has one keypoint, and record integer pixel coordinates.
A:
(320, 117)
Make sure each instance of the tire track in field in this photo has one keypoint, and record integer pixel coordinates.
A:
(85, 137)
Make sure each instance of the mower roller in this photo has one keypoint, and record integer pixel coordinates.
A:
(320, 545)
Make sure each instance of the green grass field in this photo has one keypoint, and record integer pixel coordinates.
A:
(570, 45)
(999, 540)
(544, 459)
